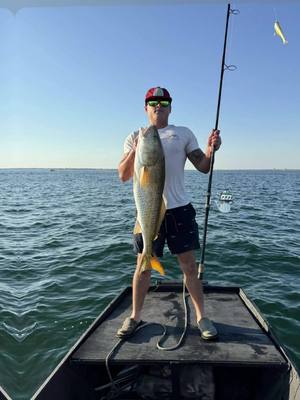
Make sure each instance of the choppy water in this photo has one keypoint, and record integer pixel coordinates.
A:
(65, 252)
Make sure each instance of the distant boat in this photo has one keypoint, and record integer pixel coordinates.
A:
(225, 196)
(224, 201)
(247, 362)
(52, 170)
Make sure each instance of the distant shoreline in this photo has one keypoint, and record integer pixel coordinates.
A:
(53, 169)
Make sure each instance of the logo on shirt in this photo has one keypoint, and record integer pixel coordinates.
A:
(170, 136)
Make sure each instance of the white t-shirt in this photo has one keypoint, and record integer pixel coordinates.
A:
(177, 142)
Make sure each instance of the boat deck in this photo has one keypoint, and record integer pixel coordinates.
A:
(241, 342)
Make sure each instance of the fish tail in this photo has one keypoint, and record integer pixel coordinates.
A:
(148, 262)
(144, 263)
(156, 265)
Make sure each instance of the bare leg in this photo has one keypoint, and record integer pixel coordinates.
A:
(187, 262)
(140, 286)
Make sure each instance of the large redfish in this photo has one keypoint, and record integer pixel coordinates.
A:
(148, 186)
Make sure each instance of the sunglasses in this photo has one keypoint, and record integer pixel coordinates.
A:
(154, 103)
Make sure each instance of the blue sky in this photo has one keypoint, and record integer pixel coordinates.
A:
(73, 81)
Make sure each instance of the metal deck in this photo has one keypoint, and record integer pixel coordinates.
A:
(241, 342)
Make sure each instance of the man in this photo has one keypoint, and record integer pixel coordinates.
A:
(179, 227)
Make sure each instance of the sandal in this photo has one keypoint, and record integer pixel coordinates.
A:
(128, 328)
(207, 329)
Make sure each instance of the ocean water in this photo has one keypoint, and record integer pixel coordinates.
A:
(66, 252)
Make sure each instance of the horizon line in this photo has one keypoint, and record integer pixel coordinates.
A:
(115, 169)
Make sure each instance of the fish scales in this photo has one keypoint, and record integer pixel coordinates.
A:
(149, 178)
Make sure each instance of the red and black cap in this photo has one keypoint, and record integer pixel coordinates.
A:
(157, 93)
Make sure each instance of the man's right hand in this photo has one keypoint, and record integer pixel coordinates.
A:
(135, 143)
(126, 166)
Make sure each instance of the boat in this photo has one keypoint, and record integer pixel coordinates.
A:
(3, 394)
(225, 196)
(246, 362)
(224, 201)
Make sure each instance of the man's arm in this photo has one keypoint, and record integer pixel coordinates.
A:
(126, 166)
(200, 160)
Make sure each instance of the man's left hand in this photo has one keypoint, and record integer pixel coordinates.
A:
(214, 139)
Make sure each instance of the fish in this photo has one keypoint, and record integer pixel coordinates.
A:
(278, 31)
(148, 186)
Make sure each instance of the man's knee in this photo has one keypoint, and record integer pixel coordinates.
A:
(187, 262)
(189, 269)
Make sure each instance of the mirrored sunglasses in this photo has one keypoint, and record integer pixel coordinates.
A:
(154, 103)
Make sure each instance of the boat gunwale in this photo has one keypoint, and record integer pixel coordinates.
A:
(4, 395)
(107, 310)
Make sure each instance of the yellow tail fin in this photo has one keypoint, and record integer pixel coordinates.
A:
(156, 265)
(147, 263)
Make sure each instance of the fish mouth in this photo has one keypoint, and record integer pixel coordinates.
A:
(150, 131)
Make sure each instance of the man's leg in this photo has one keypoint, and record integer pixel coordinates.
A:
(187, 262)
(141, 282)
(188, 265)
(140, 286)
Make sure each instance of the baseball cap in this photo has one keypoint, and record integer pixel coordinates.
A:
(158, 93)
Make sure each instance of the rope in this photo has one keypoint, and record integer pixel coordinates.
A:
(171, 348)
(116, 387)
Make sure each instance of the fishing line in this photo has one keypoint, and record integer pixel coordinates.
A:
(275, 14)
(231, 34)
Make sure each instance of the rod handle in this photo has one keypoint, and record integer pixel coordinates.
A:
(200, 271)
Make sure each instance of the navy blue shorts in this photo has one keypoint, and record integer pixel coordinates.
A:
(179, 228)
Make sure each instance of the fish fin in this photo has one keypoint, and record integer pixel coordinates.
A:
(162, 213)
(160, 218)
(148, 262)
(156, 265)
(144, 263)
(137, 228)
(144, 177)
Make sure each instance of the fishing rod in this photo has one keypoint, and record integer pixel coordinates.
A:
(212, 159)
